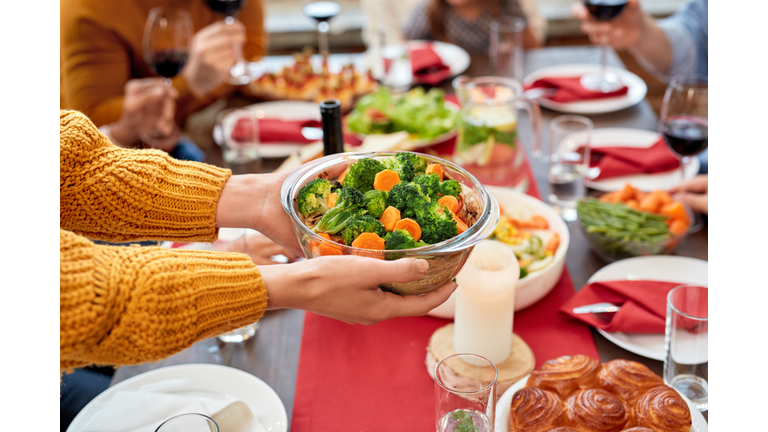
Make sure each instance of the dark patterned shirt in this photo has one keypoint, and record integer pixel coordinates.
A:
(472, 35)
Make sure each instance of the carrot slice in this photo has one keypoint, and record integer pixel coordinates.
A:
(553, 243)
(536, 222)
(436, 169)
(678, 227)
(343, 174)
(459, 223)
(369, 240)
(323, 249)
(651, 203)
(389, 218)
(611, 197)
(451, 202)
(627, 193)
(411, 226)
(663, 196)
(385, 180)
(675, 210)
(332, 197)
(633, 204)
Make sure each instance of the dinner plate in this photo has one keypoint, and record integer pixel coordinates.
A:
(636, 138)
(502, 410)
(455, 57)
(538, 284)
(636, 93)
(205, 381)
(662, 268)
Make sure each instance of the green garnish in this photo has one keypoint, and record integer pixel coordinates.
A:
(465, 422)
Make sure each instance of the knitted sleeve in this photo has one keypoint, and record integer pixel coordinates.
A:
(121, 195)
(129, 305)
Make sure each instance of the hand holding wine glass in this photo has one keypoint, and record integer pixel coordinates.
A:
(213, 55)
(603, 11)
(240, 72)
(620, 33)
(149, 107)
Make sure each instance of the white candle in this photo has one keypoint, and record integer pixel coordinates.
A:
(485, 302)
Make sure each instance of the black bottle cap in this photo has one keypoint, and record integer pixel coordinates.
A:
(333, 138)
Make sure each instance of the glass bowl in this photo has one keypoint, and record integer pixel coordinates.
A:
(445, 258)
(610, 250)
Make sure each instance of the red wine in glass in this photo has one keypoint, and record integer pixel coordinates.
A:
(226, 8)
(322, 10)
(685, 135)
(604, 81)
(605, 10)
(168, 63)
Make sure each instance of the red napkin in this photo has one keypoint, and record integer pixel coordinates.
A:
(621, 161)
(643, 305)
(428, 67)
(273, 130)
(569, 89)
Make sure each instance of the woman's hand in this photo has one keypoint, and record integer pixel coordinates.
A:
(148, 111)
(696, 193)
(346, 288)
(212, 55)
(621, 32)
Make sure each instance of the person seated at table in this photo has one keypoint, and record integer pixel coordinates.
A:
(104, 73)
(466, 22)
(667, 47)
(695, 193)
(130, 305)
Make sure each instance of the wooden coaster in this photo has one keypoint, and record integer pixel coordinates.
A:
(519, 364)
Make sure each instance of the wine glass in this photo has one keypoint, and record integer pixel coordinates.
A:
(190, 422)
(683, 121)
(322, 12)
(603, 81)
(242, 72)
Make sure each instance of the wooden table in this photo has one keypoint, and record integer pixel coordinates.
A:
(273, 354)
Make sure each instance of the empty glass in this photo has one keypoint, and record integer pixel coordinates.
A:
(235, 240)
(468, 400)
(506, 48)
(570, 139)
(237, 133)
(686, 364)
(191, 422)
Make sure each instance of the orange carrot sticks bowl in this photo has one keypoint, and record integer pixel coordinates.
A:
(323, 228)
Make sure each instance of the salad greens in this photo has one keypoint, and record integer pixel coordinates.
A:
(422, 114)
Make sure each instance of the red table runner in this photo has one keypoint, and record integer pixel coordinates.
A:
(358, 378)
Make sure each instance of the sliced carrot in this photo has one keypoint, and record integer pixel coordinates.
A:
(437, 169)
(411, 226)
(633, 204)
(332, 197)
(675, 210)
(553, 243)
(640, 195)
(369, 240)
(663, 196)
(678, 227)
(451, 202)
(385, 180)
(611, 197)
(536, 222)
(459, 223)
(389, 218)
(324, 249)
(627, 193)
(651, 203)
(343, 174)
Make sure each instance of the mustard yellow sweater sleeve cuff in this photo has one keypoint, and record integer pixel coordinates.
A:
(121, 195)
(129, 305)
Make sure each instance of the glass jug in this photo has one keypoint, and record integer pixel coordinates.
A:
(487, 143)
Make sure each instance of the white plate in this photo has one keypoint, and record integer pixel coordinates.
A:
(505, 401)
(636, 93)
(637, 138)
(538, 284)
(661, 268)
(285, 110)
(205, 381)
(455, 57)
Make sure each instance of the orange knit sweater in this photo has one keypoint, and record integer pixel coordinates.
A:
(129, 305)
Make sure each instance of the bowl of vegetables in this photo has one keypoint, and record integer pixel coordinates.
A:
(390, 205)
(629, 223)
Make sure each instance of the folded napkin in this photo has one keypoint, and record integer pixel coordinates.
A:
(273, 130)
(643, 305)
(427, 66)
(569, 89)
(621, 161)
(136, 411)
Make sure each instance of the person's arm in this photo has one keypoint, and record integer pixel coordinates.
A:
(536, 26)
(257, 41)
(417, 25)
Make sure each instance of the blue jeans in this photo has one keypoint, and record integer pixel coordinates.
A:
(76, 390)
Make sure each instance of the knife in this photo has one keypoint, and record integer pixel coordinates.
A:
(596, 308)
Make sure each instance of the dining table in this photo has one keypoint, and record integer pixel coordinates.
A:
(273, 353)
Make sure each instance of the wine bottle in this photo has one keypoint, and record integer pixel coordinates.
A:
(333, 139)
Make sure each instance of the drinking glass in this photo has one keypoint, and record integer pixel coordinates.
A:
(237, 133)
(390, 61)
(506, 48)
(235, 240)
(570, 139)
(242, 72)
(603, 81)
(190, 422)
(686, 363)
(462, 402)
(322, 12)
(683, 121)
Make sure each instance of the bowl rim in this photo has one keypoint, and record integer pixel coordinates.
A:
(476, 233)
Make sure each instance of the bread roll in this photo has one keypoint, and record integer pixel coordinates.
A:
(566, 374)
(663, 410)
(597, 410)
(535, 410)
(627, 379)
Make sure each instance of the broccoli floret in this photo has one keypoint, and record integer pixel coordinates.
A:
(450, 187)
(375, 202)
(313, 197)
(336, 186)
(362, 174)
(406, 165)
(436, 222)
(348, 204)
(406, 197)
(357, 225)
(429, 184)
(399, 239)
